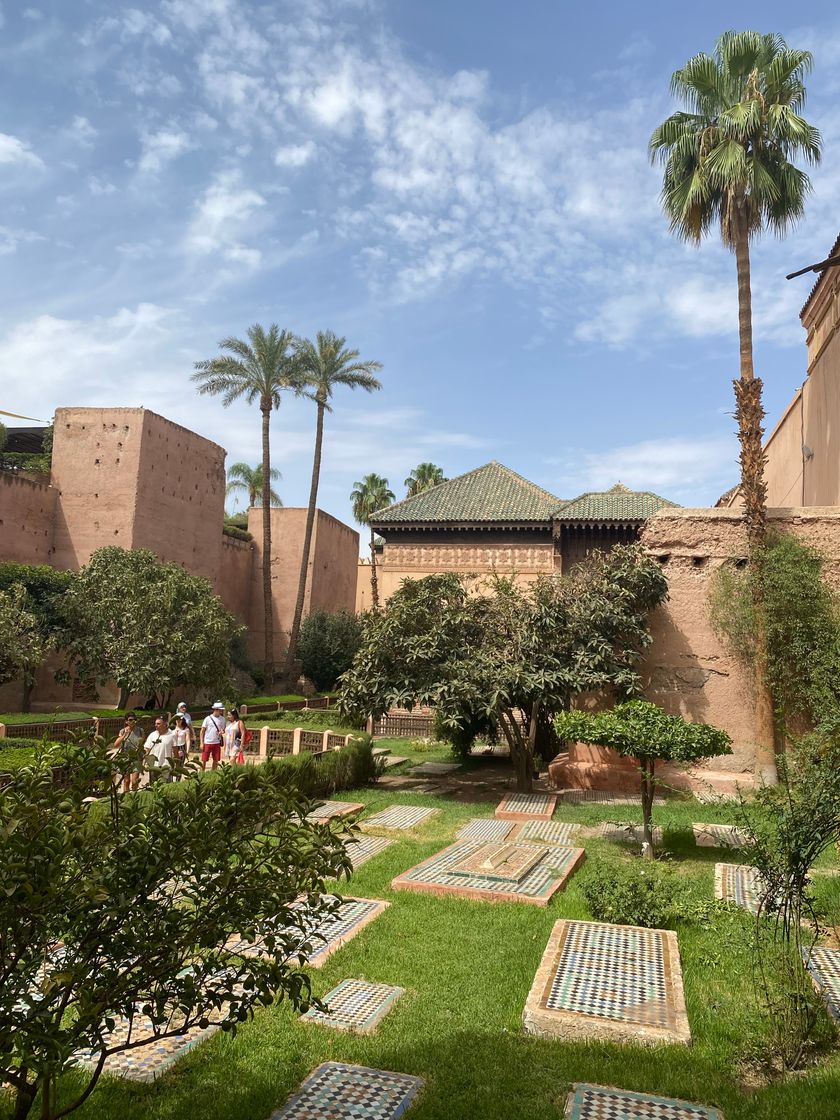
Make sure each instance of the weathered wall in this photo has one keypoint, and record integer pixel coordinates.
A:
(783, 471)
(331, 584)
(27, 516)
(234, 586)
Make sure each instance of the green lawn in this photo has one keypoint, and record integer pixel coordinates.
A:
(467, 968)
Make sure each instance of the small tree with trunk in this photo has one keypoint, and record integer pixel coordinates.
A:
(368, 497)
(44, 589)
(22, 645)
(642, 730)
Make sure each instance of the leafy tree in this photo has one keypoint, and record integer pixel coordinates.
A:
(423, 477)
(4, 435)
(328, 644)
(369, 496)
(248, 480)
(148, 625)
(504, 657)
(728, 160)
(643, 731)
(258, 370)
(44, 587)
(122, 910)
(23, 646)
(324, 365)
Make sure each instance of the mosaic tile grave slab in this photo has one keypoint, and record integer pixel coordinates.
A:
(355, 1005)
(609, 982)
(824, 966)
(735, 882)
(527, 806)
(546, 832)
(400, 818)
(505, 862)
(601, 796)
(320, 939)
(598, 1102)
(484, 828)
(146, 1063)
(363, 848)
(619, 832)
(438, 875)
(331, 809)
(435, 768)
(719, 836)
(335, 1091)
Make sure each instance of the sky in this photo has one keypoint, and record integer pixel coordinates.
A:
(461, 190)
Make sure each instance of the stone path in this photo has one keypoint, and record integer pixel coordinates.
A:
(331, 809)
(719, 836)
(824, 967)
(318, 940)
(599, 1102)
(400, 818)
(336, 1091)
(527, 806)
(362, 848)
(738, 883)
(503, 871)
(355, 1005)
(611, 983)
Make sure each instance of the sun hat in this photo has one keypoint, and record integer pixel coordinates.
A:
(218, 704)
(182, 704)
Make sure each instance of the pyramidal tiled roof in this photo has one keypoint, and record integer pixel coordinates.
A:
(616, 504)
(492, 493)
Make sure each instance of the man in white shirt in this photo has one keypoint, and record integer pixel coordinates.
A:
(159, 748)
(212, 735)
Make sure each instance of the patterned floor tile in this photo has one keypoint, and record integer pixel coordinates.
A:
(527, 806)
(601, 797)
(598, 1102)
(622, 832)
(439, 875)
(484, 828)
(331, 809)
(335, 1091)
(355, 1005)
(735, 882)
(547, 832)
(146, 1063)
(719, 836)
(320, 939)
(824, 966)
(400, 818)
(603, 981)
(362, 848)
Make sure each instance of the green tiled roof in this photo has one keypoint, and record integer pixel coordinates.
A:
(615, 504)
(491, 493)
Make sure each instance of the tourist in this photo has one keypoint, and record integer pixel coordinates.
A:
(159, 750)
(181, 710)
(234, 735)
(212, 735)
(129, 743)
(182, 739)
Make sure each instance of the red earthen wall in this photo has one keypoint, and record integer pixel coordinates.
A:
(27, 515)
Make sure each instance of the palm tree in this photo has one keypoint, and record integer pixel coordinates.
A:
(728, 159)
(242, 477)
(423, 477)
(368, 496)
(323, 366)
(258, 370)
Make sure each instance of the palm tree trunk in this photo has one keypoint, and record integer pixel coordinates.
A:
(307, 542)
(268, 659)
(374, 583)
(749, 413)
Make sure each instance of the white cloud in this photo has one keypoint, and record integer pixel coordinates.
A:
(140, 23)
(33, 14)
(162, 147)
(294, 155)
(221, 216)
(99, 186)
(81, 132)
(15, 151)
(10, 239)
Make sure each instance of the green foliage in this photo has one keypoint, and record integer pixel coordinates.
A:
(249, 480)
(643, 730)
(4, 435)
(141, 894)
(801, 645)
(45, 588)
(230, 530)
(630, 893)
(22, 643)
(370, 495)
(328, 643)
(423, 477)
(463, 735)
(150, 626)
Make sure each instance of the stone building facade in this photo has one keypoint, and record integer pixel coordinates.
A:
(129, 477)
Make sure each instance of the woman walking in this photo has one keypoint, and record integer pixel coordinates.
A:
(234, 734)
(183, 741)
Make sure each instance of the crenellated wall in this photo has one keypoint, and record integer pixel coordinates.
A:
(27, 519)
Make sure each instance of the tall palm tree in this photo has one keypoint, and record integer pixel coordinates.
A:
(323, 366)
(368, 496)
(728, 159)
(258, 370)
(241, 477)
(423, 477)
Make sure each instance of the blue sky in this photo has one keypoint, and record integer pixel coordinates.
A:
(462, 190)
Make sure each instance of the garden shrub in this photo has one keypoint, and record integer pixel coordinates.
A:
(327, 645)
(630, 893)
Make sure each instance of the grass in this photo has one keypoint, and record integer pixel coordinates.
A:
(467, 967)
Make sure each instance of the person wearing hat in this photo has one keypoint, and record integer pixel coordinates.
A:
(212, 735)
(181, 710)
